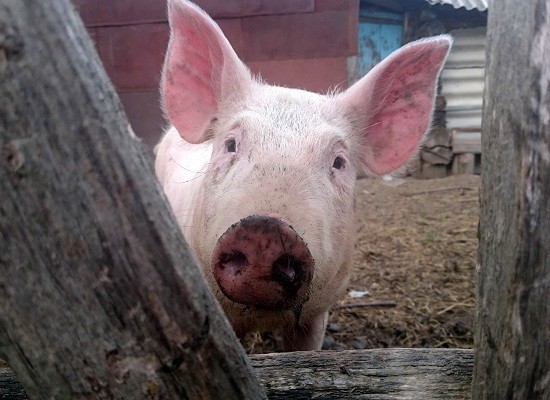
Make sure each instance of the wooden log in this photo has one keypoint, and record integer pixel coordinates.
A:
(437, 155)
(427, 374)
(430, 171)
(10, 388)
(512, 335)
(464, 164)
(99, 296)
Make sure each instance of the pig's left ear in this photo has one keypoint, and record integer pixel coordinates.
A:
(393, 104)
(201, 71)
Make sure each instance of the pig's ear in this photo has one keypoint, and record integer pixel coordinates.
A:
(393, 104)
(201, 70)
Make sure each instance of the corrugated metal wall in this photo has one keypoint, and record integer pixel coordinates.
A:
(480, 5)
(462, 80)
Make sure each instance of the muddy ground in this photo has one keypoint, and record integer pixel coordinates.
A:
(415, 258)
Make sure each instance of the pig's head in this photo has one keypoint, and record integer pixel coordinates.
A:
(273, 224)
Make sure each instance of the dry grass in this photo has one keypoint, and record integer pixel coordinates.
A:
(416, 249)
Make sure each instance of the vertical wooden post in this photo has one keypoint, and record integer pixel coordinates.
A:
(512, 359)
(99, 295)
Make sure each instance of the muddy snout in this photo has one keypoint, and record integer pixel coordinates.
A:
(262, 261)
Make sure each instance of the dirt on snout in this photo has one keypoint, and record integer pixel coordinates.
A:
(414, 269)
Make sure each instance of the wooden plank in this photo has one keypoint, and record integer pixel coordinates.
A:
(326, 5)
(313, 74)
(430, 171)
(512, 335)
(437, 155)
(101, 13)
(97, 13)
(466, 142)
(312, 35)
(247, 8)
(427, 374)
(133, 55)
(464, 164)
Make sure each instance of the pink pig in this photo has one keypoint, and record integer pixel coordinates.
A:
(261, 178)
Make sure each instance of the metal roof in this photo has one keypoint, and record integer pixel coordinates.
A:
(480, 5)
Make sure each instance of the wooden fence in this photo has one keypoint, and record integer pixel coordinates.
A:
(99, 297)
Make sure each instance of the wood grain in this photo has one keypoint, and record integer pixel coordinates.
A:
(513, 291)
(382, 374)
(99, 296)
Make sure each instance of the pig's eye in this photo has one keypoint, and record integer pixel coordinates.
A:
(339, 163)
(231, 146)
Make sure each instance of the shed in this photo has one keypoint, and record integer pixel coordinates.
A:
(454, 143)
(462, 84)
(310, 44)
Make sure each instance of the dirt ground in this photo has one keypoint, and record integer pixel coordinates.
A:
(415, 258)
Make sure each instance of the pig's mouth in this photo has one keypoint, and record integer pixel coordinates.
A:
(262, 262)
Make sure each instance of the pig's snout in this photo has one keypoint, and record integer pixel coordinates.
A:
(262, 261)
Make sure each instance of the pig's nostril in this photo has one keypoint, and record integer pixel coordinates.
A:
(286, 269)
(233, 262)
(262, 262)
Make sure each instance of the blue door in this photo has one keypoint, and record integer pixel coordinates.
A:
(380, 33)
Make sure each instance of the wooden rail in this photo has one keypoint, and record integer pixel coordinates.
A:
(428, 374)
(57, 292)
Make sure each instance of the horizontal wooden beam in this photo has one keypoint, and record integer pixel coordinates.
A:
(466, 142)
(367, 374)
(428, 374)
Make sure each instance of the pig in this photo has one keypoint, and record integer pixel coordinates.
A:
(261, 178)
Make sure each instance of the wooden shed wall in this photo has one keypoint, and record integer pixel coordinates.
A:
(439, 156)
(298, 43)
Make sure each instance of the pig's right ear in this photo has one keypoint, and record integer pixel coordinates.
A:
(200, 71)
(393, 104)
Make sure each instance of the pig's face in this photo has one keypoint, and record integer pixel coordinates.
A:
(272, 215)
(284, 153)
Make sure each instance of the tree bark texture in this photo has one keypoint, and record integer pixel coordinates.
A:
(99, 297)
(10, 388)
(423, 374)
(513, 292)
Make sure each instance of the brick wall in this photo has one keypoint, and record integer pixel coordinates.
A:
(298, 43)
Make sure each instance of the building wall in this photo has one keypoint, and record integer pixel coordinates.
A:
(459, 102)
(300, 43)
(463, 79)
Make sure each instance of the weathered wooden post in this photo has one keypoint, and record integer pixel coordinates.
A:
(99, 297)
(512, 354)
